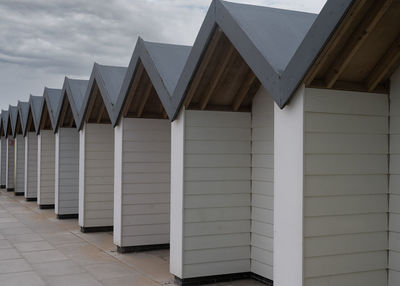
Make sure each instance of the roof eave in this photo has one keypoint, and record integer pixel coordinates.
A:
(219, 16)
(141, 54)
(310, 48)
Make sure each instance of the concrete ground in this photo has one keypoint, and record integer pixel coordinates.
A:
(37, 249)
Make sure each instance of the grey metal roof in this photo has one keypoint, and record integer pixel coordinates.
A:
(74, 90)
(266, 38)
(52, 98)
(35, 104)
(162, 62)
(4, 120)
(109, 80)
(311, 46)
(23, 111)
(13, 116)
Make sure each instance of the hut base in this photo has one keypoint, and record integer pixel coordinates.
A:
(67, 216)
(96, 229)
(19, 193)
(31, 199)
(222, 278)
(46, 207)
(10, 189)
(141, 248)
(261, 279)
(2, 186)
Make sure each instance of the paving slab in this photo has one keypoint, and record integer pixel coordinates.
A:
(36, 249)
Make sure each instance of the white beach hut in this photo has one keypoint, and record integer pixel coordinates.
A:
(46, 149)
(67, 148)
(19, 150)
(10, 153)
(336, 157)
(3, 150)
(31, 147)
(143, 147)
(23, 110)
(96, 148)
(222, 161)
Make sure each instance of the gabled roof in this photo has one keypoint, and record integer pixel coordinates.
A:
(353, 45)
(109, 80)
(51, 98)
(74, 91)
(163, 64)
(266, 38)
(35, 104)
(13, 116)
(4, 121)
(23, 112)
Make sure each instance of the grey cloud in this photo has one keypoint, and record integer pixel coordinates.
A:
(44, 40)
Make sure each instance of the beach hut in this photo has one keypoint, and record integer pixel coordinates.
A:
(96, 149)
(31, 147)
(337, 150)
(10, 153)
(22, 118)
(67, 148)
(18, 152)
(3, 149)
(143, 147)
(46, 149)
(222, 161)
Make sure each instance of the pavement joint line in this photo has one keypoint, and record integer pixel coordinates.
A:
(121, 261)
(99, 248)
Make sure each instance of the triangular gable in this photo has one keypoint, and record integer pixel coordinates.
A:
(353, 45)
(266, 38)
(51, 100)
(12, 122)
(23, 112)
(108, 80)
(34, 114)
(4, 120)
(72, 94)
(163, 64)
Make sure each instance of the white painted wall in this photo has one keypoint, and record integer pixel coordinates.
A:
(288, 192)
(142, 182)
(177, 194)
(10, 183)
(20, 164)
(216, 193)
(96, 175)
(46, 172)
(3, 160)
(67, 171)
(394, 182)
(345, 188)
(331, 185)
(262, 190)
(82, 150)
(31, 151)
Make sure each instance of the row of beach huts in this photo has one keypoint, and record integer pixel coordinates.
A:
(270, 149)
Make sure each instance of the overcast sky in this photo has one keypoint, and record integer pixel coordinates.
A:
(41, 41)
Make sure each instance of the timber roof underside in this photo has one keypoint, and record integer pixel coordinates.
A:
(96, 110)
(30, 125)
(66, 117)
(45, 122)
(142, 100)
(18, 128)
(223, 80)
(363, 52)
